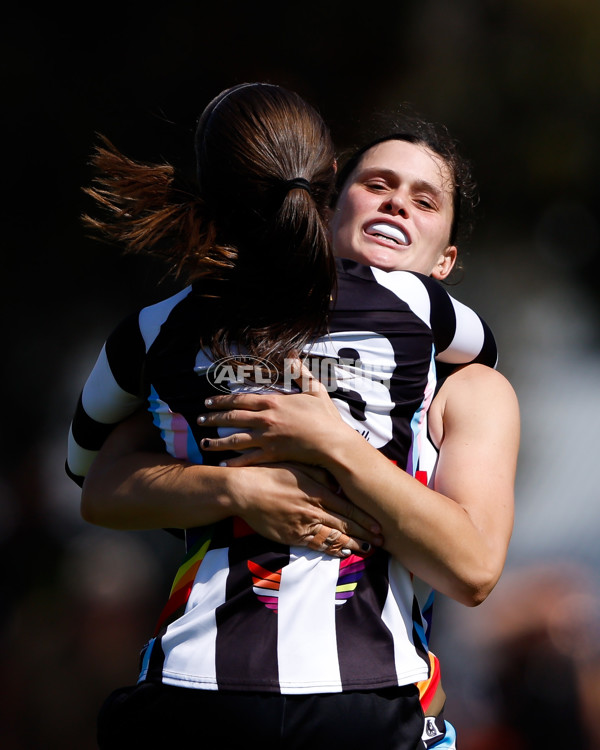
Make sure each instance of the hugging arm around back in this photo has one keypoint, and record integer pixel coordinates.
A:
(134, 484)
(455, 534)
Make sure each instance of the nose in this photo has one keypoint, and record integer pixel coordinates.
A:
(395, 204)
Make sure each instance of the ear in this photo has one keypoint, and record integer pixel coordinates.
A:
(445, 263)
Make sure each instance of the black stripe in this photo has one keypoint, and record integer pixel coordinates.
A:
(125, 351)
(489, 351)
(246, 646)
(75, 477)
(358, 621)
(88, 433)
(442, 316)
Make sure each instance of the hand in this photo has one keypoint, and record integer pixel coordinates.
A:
(276, 427)
(295, 505)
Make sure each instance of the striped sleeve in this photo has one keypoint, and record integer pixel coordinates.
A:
(460, 335)
(111, 393)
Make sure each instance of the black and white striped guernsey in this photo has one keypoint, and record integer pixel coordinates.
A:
(246, 613)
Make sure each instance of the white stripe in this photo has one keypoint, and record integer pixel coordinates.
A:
(152, 317)
(397, 615)
(306, 645)
(103, 398)
(190, 642)
(79, 459)
(468, 336)
(409, 288)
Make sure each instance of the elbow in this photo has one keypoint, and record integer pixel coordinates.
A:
(475, 589)
(91, 508)
(88, 509)
(477, 596)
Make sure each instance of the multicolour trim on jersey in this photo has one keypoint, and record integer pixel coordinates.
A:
(429, 687)
(174, 430)
(351, 571)
(183, 582)
(266, 585)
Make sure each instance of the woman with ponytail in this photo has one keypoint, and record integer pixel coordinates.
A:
(250, 243)
(253, 230)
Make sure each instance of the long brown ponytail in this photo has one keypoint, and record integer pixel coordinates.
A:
(254, 228)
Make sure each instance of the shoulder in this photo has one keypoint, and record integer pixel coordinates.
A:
(476, 386)
(477, 396)
(151, 318)
(421, 293)
(478, 377)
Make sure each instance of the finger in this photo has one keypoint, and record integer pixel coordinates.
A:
(239, 441)
(341, 513)
(303, 377)
(340, 506)
(318, 474)
(244, 401)
(336, 502)
(336, 544)
(353, 529)
(233, 418)
(248, 458)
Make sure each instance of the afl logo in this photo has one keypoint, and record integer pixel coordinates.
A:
(232, 374)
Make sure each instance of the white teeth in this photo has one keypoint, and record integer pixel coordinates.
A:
(390, 231)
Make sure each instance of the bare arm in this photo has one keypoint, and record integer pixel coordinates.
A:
(134, 484)
(454, 536)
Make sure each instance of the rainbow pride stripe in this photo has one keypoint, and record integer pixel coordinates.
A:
(183, 582)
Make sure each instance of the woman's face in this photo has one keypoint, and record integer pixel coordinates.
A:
(395, 211)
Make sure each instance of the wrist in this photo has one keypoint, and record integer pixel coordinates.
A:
(232, 496)
(343, 448)
(209, 493)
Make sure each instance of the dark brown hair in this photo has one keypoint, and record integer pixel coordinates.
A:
(249, 230)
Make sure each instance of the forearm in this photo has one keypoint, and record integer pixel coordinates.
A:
(428, 532)
(455, 536)
(134, 484)
(146, 490)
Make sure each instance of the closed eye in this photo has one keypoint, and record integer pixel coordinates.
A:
(426, 203)
(376, 187)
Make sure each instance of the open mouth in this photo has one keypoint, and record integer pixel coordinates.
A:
(388, 232)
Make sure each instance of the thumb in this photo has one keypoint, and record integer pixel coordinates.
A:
(304, 377)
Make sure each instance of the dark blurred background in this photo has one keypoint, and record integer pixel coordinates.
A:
(518, 83)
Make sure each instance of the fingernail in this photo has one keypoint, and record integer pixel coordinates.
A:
(345, 551)
(223, 463)
(201, 420)
(365, 547)
(378, 541)
(208, 402)
(205, 443)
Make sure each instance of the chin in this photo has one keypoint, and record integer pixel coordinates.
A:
(387, 264)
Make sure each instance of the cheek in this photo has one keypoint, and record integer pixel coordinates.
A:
(436, 232)
(356, 207)
(343, 220)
